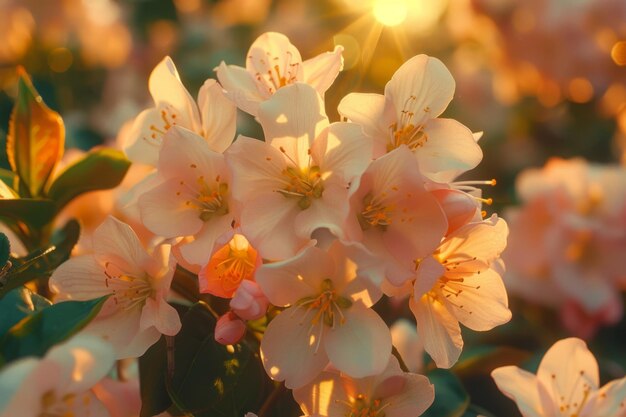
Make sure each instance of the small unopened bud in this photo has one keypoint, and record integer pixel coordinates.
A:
(229, 329)
(249, 302)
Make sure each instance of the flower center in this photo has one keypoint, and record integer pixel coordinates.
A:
(362, 407)
(327, 305)
(70, 405)
(168, 116)
(128, 292)
(238, 265)
(375, 213)
(405, 131)
(209, 200)
(270, 77)
(303, 184)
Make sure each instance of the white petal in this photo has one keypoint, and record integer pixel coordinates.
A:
(607, 401)
(268, 223)
(418, 394)
(11, 380)
(199, 251)
(422, 85)
(166, 88)
(325, 396)
(484, 240)
(360, 346)
(330, 211)
(258, 167)
(274, 62)
(321, 71)
(291, 280)
(449, 150)
(116, 241)
(79, 278)
(141, 142)
(292, 119)
(368, 110)
(521, 387)
(343, 151)
(439, 330)
(296, 362)
(160, 315)
(218, 114)
(165, 212)
(428, 272)
(240, 87)
(481, 303)
(565, 370)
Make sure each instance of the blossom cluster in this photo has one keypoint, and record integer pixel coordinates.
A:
(309, 227)
(567, 240)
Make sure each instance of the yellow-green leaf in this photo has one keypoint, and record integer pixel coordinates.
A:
(36, 138)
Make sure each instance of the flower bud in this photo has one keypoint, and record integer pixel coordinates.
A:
(229, 329)
(249, 302)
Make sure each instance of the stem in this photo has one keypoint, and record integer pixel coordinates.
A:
(395, 353)
(279, 388)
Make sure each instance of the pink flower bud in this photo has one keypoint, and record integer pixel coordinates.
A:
(229, 329)
(249, 302)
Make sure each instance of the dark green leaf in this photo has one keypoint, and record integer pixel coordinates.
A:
(210, 379)
(18, 304)
(36, 212)
(38, 332)
(101, 169)
(9, 178)
(5, 250)
(481, 360)
(451, 400)
(42, 263)
(152, 373)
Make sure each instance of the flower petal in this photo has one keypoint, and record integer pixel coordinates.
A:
(240, 87)
(567, 370)
(439, 330)
(361, 345)
(449, 150)
(218, 114)
(422, 85)
(481, 303)
(418, 394)
(160, 315)
(199, 251)
(330, 211)
(259, 168)
(296, 361)
(79, 278)
(607, 401)
(321, 70)
(428, 273)
(484, 240)
(268, 223)
(116, 241)
(521, 387)
(368, 110)
(167, 89)
(292, 119)
(291, 280)
(164, 211)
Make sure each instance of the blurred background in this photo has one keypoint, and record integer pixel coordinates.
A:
(540, 78)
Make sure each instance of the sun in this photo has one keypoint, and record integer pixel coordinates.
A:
(390, 12)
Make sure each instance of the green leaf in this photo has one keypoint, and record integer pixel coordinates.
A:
(9, 178)
(38, 332)
(152, 373)
(36, 138)
(100, 169)
(42, 263)
(481, 360)
(18, 304)
(36, 212)
(451, 399)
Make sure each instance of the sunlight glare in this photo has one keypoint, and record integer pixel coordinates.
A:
(390, 12)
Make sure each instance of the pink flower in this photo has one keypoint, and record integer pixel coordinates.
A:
(328, 318)
(392, 393)
(58, 384)
(457, 284)
(192, 199)
(273, 63)
(249, 302)
(213, 118)
(566, 384)
(394, 216)
(298, 181)
(137, 312)
(409, 345)
(229, 329)
(229, 266)
(407, 114)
